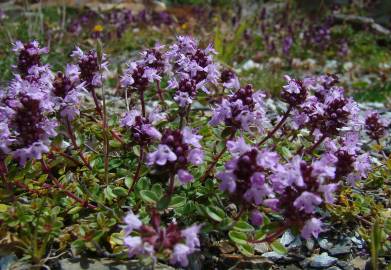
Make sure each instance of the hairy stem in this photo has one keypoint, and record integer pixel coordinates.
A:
(138, 170)
(142, 102)
(277, 127)
(72, 136)
(216, 158)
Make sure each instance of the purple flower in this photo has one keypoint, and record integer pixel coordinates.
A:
(132, 222)
(328, 191)
(256, 218)
(375, 126)
(179, 255)
(141, 128)
(161, 156)
(307, 202)
(242, 110)
(196, 156)
(184, 176)
(191, 138)
(228, 181)
(312, 227)
(191, 236)
(238, 147)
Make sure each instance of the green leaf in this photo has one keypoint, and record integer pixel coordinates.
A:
(375, 244)
(149, 196)
(246, 249)
(238, 237)
(74, 210)
(128, 181)
(163, 203)
(120, 192)
(278, 247)
(243, 226)
(177, 201)
(215, 213)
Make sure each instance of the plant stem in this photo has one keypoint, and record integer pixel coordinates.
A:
(170, 190)
(216, 158)
(61, 187)
(280, 123)
(142, 102)
(74, 143)
(160, 94)
(138, 170)
(315, 145)
(271, 237)
(3, 172)
(96, 101)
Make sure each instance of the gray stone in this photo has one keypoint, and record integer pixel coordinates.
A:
(287, 238)
(297, 243)
(345, 265)
(273, 256)
(106, 264)
(291, 267)
(261, 248)
(325, 244)
(7, 261)
(340, 249)
(334, 268)
(358, 242)
(310, 244)
(322, 261)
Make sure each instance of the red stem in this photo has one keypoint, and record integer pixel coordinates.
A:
(142, 102)
(138, 170)
(271, 237)
(159, 93)
(74, 143)
(96, 101)
(280, 123)
(62, 188)
(313, 147)
(216, 159)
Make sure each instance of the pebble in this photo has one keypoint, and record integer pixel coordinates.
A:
(261, 248)
(325, 244)
(323, 260)
(310, 244)
(273, 256)
(340, 249)
(287, 238)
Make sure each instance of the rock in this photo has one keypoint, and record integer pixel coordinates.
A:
(334, 268)
(287, 238)
(310, 244)
(322, 261)
(106, 264)
(239, 262)
(345, 265)
(7, 261)
(225, 247)
(358, 242)
(261, 248)
(340, 249)
(273, 256)
(358, 263)
(291, 267)
(325, 244)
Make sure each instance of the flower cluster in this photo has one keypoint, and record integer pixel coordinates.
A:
(328, 110)
(26, 105)
(152, 239)
(90, 67)
(193, 69)
(67, 89)
(349, 163)
(245, 175)
(141, 128)
(139, 74)
(375, 126)
(176, 150)
(241, 110)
